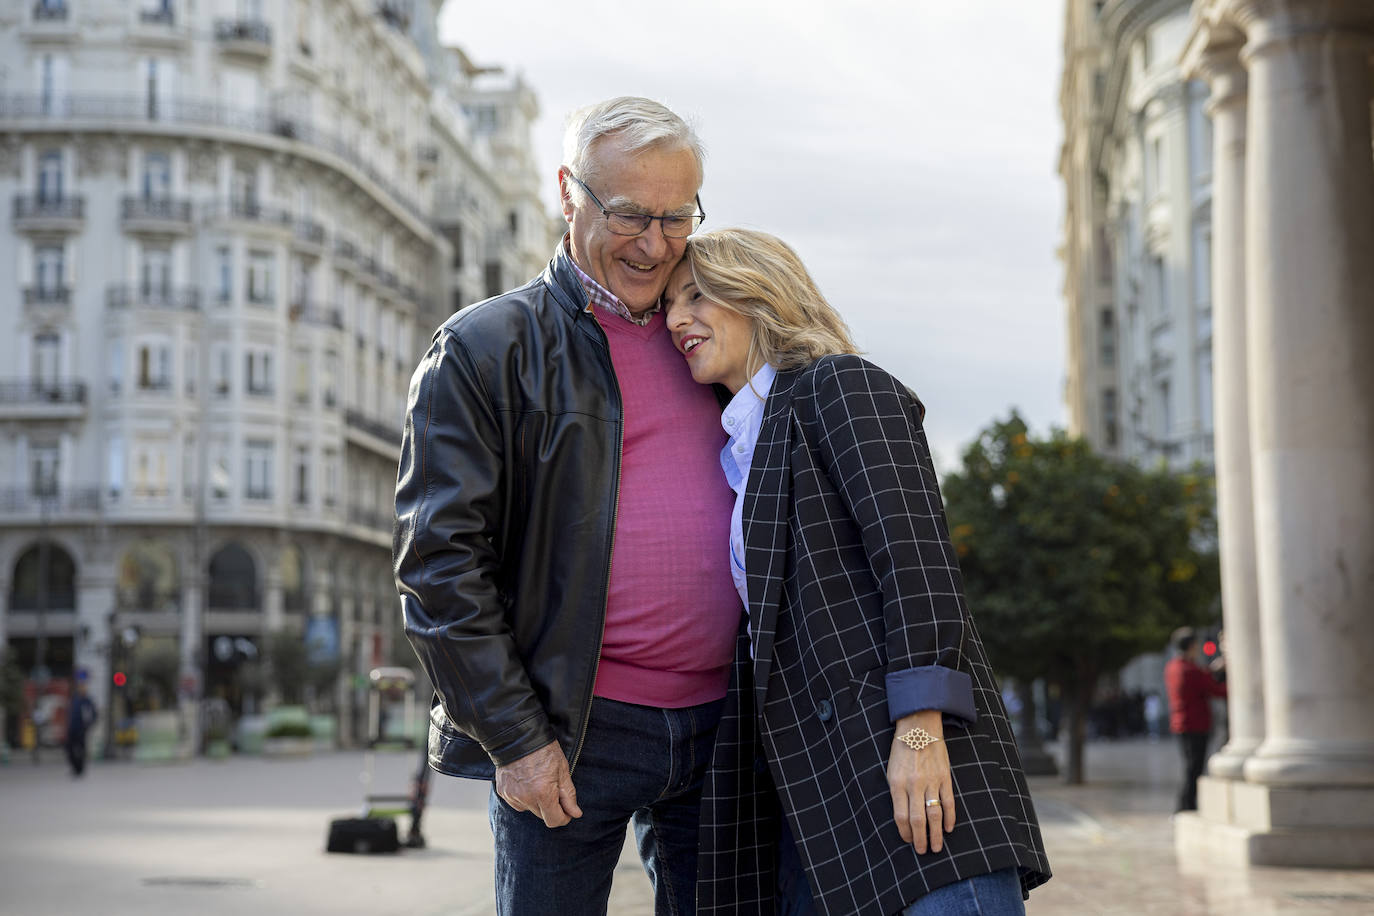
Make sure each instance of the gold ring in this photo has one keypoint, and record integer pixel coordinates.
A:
(932, 802)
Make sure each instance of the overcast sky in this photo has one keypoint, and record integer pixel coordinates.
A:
(905, 148)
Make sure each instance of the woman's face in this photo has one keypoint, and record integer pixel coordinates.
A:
(713, 339)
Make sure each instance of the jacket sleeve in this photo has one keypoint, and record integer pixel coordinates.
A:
(449, 495)
(873, 448)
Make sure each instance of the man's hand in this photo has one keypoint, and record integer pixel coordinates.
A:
(915, 776)
(540, 783)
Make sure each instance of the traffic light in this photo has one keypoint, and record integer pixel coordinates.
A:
(119, 679)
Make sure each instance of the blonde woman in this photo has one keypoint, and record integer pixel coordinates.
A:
(864, 762)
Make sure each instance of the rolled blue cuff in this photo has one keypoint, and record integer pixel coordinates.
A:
(930, 687)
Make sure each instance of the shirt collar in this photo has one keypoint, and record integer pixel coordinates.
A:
(602, 298)
(745, 410)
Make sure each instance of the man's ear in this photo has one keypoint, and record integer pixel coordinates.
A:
(565, 193)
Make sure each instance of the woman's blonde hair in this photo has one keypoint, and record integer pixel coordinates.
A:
(760, 277)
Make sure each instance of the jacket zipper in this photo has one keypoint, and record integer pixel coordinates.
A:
(610, 545)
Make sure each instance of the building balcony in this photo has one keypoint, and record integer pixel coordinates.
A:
(50, 11)
(37, 399)
(162, 215)
(371, 519)
(250, 38)
(345, 250)
(26, 503)
(382, 438)
(163, 15)
(101, 111)
(309, 235)
(307, 312)
(136, 295)
(40, 213)
(248, 211)
(50, 296)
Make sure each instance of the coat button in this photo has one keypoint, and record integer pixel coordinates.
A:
(823, 710)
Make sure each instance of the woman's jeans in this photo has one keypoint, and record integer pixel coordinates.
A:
(995, 894)
(640, 764)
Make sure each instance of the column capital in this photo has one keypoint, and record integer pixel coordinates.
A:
(1271, 23)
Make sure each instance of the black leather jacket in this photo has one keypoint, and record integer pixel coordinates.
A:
(505, 511)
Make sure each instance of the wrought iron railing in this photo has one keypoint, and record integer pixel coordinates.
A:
(136, 295)
(166, 209)
(206, 113)
(37, 391)
(44, 206)
(254, 30)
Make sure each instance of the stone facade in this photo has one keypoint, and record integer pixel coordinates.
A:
(232, 229)
(1136, 166)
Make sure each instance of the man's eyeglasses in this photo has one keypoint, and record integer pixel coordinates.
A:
(622, 223)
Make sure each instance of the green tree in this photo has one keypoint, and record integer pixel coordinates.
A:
(1075, 563)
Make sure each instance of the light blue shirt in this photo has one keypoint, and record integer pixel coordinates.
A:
(742, 419)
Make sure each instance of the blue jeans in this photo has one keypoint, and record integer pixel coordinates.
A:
(639, 764)
(995, 894)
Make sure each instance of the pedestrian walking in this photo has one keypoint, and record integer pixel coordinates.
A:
(1191, 689)
(81, 715)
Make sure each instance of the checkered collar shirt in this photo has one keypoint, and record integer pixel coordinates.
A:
(602, 298)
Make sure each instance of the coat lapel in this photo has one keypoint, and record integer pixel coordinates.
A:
(767, 503)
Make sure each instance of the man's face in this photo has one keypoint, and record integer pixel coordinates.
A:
(653, 181)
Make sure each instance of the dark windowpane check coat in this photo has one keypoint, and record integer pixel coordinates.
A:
(851, 576)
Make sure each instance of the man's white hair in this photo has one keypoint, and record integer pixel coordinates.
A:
(637, 124)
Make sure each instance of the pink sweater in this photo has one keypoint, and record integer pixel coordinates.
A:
(672, 612)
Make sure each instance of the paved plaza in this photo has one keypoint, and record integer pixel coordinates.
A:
(247, 835)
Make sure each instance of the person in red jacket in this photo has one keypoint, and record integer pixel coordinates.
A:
(1191, 689)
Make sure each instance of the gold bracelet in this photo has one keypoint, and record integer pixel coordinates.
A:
(917, 739)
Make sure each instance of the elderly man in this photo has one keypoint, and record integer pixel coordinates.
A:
(560, 511)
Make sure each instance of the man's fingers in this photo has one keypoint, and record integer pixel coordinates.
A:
(567, 798)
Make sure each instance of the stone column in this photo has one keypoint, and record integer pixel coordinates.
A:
(1221, 66)
(1310, 234)
(273, 601)
(95, 604)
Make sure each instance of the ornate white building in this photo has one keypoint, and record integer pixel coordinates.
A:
(232, 227)
(1136, 165)
(1234, 226)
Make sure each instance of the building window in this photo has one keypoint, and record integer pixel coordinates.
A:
(155, 273)
(222, 364)
(114, 466)
(188, 467)
(47, 359)
(224, 268)
(115, 367)
(331, 477)
(192, 370)
(1109, 418)
(150, 471)
(49, 268)
(50, 175)
(1106, 338)
(493, 278)
(1165, 411)
(221, 481)
(300, 371)
(329, 379)
(260, 270)
(47, 83)
(1159, 285)
(260, 372)
(157, 176)
(302, 475)
(44, 459)
(258, 453)
(456, 238)
(243, 188)
(154, 366)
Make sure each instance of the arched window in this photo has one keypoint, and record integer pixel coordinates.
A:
(233, 579)
(26, 593)
(149, 579)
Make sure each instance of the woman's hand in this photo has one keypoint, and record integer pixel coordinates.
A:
(915, 776)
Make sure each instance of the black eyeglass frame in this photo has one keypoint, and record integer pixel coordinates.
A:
(699, 216)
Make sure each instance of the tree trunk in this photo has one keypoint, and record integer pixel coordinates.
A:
(1079, 695)
(1034, 760)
